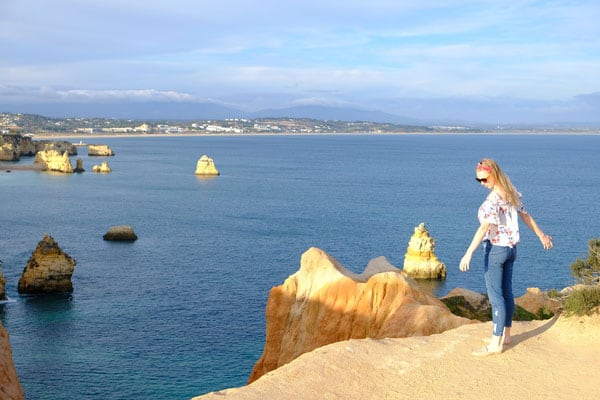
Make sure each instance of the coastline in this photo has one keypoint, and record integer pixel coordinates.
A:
(256, 134)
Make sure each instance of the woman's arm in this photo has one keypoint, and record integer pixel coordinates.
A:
(530, 222)
(477, 239)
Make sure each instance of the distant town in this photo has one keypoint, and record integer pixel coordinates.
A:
(37, 125)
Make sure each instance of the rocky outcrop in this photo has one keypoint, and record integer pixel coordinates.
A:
(48, 270)
(2, 284)
(103, 168)
(534, 304)
(538, 302)
(59, 146)
(420, 261)
(120, 233)
(323, 303)
(79, 165)
(206, 166)
(101, 150)
(10, 388)
(12, 147)
(52, 160)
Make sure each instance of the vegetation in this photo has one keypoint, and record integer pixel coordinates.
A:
(588, 271)
(584, 301)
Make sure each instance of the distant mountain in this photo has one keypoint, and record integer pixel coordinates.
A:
(129, 110)
(335, 114)
(200, 111)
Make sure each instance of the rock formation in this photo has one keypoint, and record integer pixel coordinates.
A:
(2, 284)
(420, 261)
(59, 146)
(48, 270)
(10, 388)
(12, 147)
(8, 152)
(52, 160)
(101, 150)
(120, 233)
(79, 166)
(323, 303)
(104, 168)
(537, 302)
(206, 166)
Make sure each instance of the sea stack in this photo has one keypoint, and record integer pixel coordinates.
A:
(104, 168)
(52, 160)
(420, 261)
(48, 270)
(206, 166)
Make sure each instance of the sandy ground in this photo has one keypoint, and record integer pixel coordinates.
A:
(553, 359)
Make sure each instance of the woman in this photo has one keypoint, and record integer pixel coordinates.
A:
(499, 232)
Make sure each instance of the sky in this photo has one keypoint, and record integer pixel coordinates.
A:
(498, 61)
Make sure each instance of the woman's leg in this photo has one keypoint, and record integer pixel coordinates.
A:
(507, 292)
(495, 258)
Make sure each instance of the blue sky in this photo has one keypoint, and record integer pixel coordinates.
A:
(505, 61)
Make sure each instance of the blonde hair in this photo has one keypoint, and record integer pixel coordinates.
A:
(501, 179)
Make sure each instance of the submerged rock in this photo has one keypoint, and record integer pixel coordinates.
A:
(120, 233)
(323, 303)
(48, 270)
(420, 261)
(206, 166)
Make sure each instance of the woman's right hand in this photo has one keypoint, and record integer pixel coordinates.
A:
(464, 263)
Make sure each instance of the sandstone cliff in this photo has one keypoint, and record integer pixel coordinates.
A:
(52, 160)
(324, 303)
(10, 388)
(12, 147)
(420, 261)
(206, 166)
(2, 284)
(59, 146)
(48, 270)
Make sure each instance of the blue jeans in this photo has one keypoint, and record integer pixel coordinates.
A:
(498, 264)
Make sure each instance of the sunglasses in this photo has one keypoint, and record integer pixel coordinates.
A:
(481, 180)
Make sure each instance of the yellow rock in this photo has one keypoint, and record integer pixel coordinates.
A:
(206, 166)
(420, 261)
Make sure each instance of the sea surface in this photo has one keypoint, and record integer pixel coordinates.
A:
(180, 312)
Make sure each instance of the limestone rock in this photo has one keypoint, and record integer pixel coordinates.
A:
(10, 388)
(101, 150)
(2, 284)
(12, 147)
(48, 270)
(537, 302)
(104, 168)
(420, 261)
(120, 233)
(52, 160)
(59, 146)
(323, 303)
(8, 152)
(79, 166)
(206, 166)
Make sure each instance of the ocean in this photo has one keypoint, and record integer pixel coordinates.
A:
(180, 312)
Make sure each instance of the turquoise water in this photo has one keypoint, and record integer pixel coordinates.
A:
(180, 312)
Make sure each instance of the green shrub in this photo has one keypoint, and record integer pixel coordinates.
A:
(584, 301)
(588, 271)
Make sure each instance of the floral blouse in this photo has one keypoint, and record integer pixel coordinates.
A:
(503, 219)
